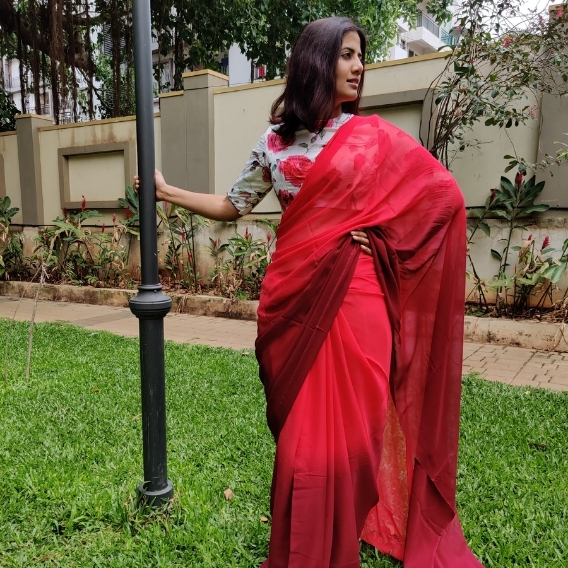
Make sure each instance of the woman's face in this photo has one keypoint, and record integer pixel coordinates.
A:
(348, 70)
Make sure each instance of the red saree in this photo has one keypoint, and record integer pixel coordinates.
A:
(361, 357)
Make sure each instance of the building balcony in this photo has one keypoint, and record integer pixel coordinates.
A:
(426, 35)
(448, 38)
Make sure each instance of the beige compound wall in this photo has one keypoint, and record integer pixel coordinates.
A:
(95, 160)
(394, 90)
(241, 116)
(10, 172)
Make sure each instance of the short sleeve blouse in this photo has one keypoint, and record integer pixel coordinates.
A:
(282, 167)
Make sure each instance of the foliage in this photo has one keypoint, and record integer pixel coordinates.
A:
(506, 58)
(8, 111)
(131, 204)
(241, 263)
(114, 100)
(181, 258)
(54, 41)
(11, 253)
(533, 271)
(80, 256)
(277, 24)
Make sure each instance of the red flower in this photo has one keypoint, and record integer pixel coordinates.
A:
(530, 237)
(268, 238)
(114, 218)
(545, 243)
(83, 203)
(103, 228)
(559, 12)
(247, 234)
(266, 175)
(294, 169)
(492, 198)
(275, 142)
(507, 41)
(286, 197)
(128, 213)
(519, 180)
(183, 236)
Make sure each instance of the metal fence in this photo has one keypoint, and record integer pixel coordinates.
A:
(425, 21)
(448, 38)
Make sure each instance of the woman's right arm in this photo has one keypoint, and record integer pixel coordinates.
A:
(215, 207)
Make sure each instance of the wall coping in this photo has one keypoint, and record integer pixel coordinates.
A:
(221, 90)
(171, 94)
(40, 116)
(92, 123)
(9, 133)
(369, 67)
(407, 60)
(204, 72)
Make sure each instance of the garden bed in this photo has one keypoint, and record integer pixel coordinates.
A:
(197, 304)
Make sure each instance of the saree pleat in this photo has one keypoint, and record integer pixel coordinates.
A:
(329, 448)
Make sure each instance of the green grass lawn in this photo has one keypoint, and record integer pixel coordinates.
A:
(70, 460)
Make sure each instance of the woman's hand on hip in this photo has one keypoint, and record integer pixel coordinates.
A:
(362, 238)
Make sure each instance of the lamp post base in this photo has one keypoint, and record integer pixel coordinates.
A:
(150, 306)
(155, 498)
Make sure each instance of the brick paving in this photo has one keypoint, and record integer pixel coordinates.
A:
(510, 365)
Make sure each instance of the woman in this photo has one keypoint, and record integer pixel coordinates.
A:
(359, 354)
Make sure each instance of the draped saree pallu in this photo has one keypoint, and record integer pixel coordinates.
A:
(360, 357)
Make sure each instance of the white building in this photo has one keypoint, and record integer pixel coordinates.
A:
(425, 36)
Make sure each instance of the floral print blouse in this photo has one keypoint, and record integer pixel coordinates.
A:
(273, 164)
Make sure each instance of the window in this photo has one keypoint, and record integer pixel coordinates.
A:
(225, 65)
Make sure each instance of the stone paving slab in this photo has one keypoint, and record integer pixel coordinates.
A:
(511, 365)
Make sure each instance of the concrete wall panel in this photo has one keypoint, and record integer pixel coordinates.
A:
(10, 172)
(241, 116)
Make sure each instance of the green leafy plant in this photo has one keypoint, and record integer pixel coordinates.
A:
(181, 255)
(131, 204)
(11, 252)
(76, 254)
(536, 269)
(241, 263)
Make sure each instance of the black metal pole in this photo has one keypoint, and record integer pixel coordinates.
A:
(150, 305)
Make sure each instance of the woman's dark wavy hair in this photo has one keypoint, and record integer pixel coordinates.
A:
(308, 99)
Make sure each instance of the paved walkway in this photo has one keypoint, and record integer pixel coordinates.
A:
(511, 365)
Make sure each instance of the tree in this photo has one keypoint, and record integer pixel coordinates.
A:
(8, 111)
(56, 40)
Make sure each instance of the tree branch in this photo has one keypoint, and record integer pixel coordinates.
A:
(9, 25)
